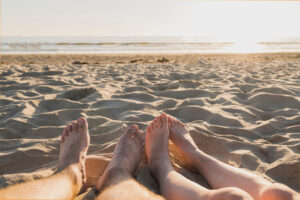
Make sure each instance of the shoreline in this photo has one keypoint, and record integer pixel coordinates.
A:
(137, 58)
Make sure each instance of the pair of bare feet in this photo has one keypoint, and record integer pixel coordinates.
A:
(129, 150)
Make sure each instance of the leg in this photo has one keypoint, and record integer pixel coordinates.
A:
(117, 180)
(128, 190)
(70, 175)
(221, 175)
(172, 184)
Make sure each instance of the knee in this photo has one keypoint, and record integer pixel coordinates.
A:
(232, 193)
(238, 194)
(278, 191)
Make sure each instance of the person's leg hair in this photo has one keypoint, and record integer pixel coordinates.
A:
(64, 184)
(70, 175)
(117, 181)
(127, 189)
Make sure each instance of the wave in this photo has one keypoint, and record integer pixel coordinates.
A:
(137, 46)
(85, 43)
(140, 43)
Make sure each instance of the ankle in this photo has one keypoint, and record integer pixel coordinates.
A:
(115, 175)
(75, 174)
(120, 171)
(160, 165)
(201, 160)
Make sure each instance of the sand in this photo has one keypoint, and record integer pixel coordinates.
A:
(241, 109)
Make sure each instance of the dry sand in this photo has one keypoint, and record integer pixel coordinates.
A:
(242, 109)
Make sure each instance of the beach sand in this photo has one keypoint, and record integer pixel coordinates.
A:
(241, 109)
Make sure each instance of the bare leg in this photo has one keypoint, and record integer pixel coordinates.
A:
(70, 175)
(172, 184)
(221, 175)
(117, 181)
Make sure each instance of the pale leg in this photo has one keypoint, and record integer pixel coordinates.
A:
(172, 184)
(221, 175)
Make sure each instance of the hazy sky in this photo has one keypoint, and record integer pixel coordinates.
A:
(150, 17)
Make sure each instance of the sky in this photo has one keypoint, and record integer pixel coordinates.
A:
(237, 20)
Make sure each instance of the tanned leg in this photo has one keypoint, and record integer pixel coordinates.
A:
(117, 180)
(221, 175)
(172, 184)
(70, 175)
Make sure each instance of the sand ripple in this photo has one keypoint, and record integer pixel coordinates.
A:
(243, 110)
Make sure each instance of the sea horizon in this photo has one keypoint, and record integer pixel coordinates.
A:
(142, 45)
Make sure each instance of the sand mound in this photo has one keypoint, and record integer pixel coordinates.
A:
(78, 94)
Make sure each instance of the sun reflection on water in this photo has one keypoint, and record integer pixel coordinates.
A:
(245, 47)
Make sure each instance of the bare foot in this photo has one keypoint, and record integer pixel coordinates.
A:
(127, 156)
(74, 144)
(181, 138)
(157, 140)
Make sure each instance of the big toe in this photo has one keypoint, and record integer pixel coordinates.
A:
(164, 119)
(141, 134)
(132, 129)
(82, 123)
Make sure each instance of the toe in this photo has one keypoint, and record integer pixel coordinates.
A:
(155, 122)
(74, 127)
(159, 122)
(171, 123)
(148, 130)
(82, 123)
(69, 127)
(152, 126)
(132, 129)
(65, 132)
(164, 119)
(141, 135)
(62, 139)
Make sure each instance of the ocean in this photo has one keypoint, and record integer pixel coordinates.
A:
(141, 45)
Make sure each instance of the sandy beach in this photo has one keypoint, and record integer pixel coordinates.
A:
(242, 109)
